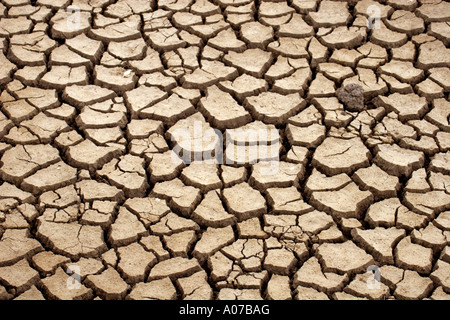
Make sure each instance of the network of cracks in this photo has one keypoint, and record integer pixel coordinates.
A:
(342, 202)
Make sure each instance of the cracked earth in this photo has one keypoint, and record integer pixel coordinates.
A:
(93, 93)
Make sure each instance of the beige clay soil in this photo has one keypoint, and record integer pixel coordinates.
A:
(93, 95)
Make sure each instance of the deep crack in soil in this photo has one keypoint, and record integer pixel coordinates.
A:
(328, 124)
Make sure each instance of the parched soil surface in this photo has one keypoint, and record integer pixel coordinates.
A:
(99, 98)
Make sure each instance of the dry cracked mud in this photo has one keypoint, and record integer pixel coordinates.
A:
(330, 132)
